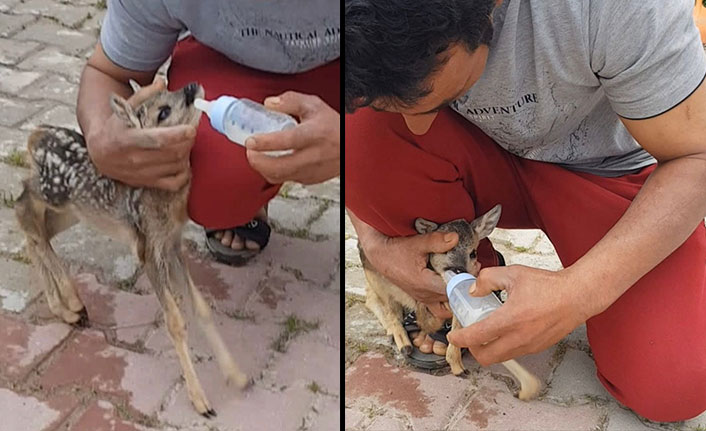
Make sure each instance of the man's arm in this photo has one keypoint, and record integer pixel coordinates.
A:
(664, 213)
(122, 153)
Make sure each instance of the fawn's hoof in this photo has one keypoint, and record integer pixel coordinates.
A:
(82, 321)
(406, 350)
(209, 414)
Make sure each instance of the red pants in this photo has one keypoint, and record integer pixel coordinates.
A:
(225, 190)
(649, 346)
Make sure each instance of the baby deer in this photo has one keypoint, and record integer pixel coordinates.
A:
(65, 187)
(388, 302)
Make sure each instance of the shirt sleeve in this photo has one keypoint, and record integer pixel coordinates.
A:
(647, 54)
(139, 35)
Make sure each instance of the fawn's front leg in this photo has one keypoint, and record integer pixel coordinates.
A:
(453, 353)
(389, 317)
(157, 271)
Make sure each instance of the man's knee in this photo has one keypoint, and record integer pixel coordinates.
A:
(662, 395)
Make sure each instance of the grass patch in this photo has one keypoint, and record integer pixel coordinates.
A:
(292, 327)
(18, 256)
(351, 300)
(128, 285)
(314, 387)
(521, 249)
(101, 4)
(240, 315)
(7, 199)
(16, 158)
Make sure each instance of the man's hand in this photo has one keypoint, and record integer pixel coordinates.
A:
(403, 261)
(154, 157)
(542, 308)
(315, 141)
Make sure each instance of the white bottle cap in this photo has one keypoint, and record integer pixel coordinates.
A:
(457, 279)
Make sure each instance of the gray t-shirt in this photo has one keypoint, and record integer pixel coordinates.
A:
(284, 36)
(560, 72)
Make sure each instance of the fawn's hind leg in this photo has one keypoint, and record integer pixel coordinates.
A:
(390, 316)
(40, 223)
(156, 267)
(179, 272)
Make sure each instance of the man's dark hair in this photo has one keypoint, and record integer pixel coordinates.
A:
(393, 46)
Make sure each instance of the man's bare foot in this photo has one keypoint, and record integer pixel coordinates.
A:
(229, 239)
(427, 345)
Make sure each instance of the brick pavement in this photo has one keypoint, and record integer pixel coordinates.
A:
(383, 393)
(121, 374)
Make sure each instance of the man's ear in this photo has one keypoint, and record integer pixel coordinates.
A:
(123, 110)
(483, 225)
(425, 226)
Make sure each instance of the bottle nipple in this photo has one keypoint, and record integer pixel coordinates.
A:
(202, 105)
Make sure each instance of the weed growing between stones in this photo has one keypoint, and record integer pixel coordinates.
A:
(292, 327)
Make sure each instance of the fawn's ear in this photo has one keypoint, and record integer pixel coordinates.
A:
(425, 226)
(123, 110)
(135, 86)
(483, 225)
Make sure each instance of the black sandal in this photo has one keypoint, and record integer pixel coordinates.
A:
(419, 359)
(255, 230)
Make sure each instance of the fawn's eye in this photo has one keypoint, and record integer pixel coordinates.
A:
(164, 112)
(473, 254)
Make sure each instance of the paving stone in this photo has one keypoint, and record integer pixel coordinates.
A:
(51, 59)
(355, 282)
(427, 401)
(328, 417)
(330, 189)
(28, 413)
(7, 5)
(542, 261)
(281, 296)
(67, 14)
(697, 422)
(317, 261)
(292, 215)
(11, 237)
(14, 111)
(94, 23)
(131, 316)
(11, 23)
(60, 116)
(23, 345)
(349, 229)
(16, 287)
(12, 81)
(540, 364)
(308, 361)
(69, 41)
(352, 253)
(578, 339)
(12, 51)
(520, 238)
(575, 378)
(86, 249)
(622, 419)
(12, 140)
(88, 361)
(492, 407)
(102, 416)
(54, 87)
(254, 409)
(11, 181)
(354, 418)
(249, 343)
(329, 224)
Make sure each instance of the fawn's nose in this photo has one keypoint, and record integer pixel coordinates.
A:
(190, 92)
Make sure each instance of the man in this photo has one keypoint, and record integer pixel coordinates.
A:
(245, 49)
(584, 119)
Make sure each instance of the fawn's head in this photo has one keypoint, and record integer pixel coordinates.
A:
(162, 109)
(463, 257)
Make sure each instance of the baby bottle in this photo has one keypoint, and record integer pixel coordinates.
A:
(468, 309)
(239, 119)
